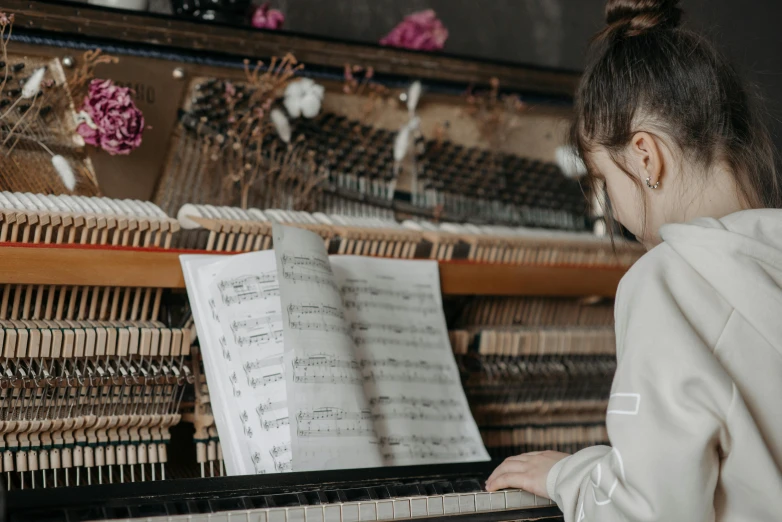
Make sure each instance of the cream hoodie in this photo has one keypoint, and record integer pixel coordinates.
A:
(695, 414)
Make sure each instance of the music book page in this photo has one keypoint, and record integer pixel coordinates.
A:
(411, 379)
(321, 362)
(332, 425)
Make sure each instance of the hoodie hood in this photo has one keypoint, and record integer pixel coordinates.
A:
(740, 256)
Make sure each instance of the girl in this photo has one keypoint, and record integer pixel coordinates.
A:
(694, 416)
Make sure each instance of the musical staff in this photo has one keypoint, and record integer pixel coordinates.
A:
(410, 371)
(256, 331)
(358, 288)
(245, 420)
(322, 310)
(258, 364)
(314, 263)
(266, 380)
(365, 304)
(249, 288)
(334, 422)
(326, 369)
(320, 327)
(276, 423)
(224, 349)
(269, 406)
(281, 449)
(234, 380)
(386, 341)
(308, 269)
(412, 408)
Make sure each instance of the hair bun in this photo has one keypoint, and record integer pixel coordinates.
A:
(642, 16)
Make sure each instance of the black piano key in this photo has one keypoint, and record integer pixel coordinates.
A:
(467, 486)
(226, 504)
(177, 508)
(258, 502)
(283, 500)
(310, 498)
(357, 494)
(85, 514)
(381, 492)
(148, 510)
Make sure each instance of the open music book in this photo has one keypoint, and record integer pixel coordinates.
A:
(327, 362)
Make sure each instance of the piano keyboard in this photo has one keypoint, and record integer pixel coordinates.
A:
(356, 495)
(233, 229)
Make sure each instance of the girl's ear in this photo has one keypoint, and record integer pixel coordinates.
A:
(647, 159)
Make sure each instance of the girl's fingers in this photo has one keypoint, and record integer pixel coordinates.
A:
(507, 480)
(509, 466)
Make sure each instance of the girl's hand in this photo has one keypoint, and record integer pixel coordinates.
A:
(528, 472)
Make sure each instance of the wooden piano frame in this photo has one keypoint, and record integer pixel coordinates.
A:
(157, 268)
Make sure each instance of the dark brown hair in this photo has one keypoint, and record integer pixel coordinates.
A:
(644, 64)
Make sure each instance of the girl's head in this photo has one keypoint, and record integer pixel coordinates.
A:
(665, 123)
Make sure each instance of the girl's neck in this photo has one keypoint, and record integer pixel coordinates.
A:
(719, 196)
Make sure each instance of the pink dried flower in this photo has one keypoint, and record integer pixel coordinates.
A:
(6, 19)
(111, 119)
(265, 18)
(421, 31)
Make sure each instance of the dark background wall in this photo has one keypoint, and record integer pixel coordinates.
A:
(549, 32)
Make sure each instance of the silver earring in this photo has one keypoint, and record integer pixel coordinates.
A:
(649, 184)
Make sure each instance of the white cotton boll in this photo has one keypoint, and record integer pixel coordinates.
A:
(293, 106)
(570, 164)
(318, 90)
(65, 171)
(33, 84)
(310, 105)
(282, 125)
(413, 95)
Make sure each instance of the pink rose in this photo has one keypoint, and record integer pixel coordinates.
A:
(265, 18)
(420, 31)
(112, 120)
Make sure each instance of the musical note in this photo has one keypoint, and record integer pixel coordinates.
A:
(333, 422)
(418, 344)
(314, 262)
(413, 401)
(322, 368)
(258, 364)
(276, 423)
(358, 289)
(395, 328)
(234, 383)
(245, 419)
(311, 269)
(254, 382)
(363, 304)
(315, 309)
(281, 449)
(269, 406)
(321, 327)
(258, 464)
(248, 288)
(407, 371)
(224, 349)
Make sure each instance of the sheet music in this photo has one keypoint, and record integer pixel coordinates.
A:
(241, 338)
(411, 380)
(331, 424)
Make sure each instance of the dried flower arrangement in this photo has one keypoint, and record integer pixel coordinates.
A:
(108, 118)
(495, 113)
(266, 18)
(420, 31)
(37, 129)
(237, 145)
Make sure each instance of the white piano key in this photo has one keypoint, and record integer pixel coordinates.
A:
(257, 516)
(467, 503)
(513, 499)
(333, 514)
(435, 505)
(199, 518)
(295, 514)
(451, 504)
(367, 511)
(483, 502)
(177, 518)
(314, 514)
(277, 515)
(497, 500)
(418, 507)
(218, 517)
(528, 499)
(385, 510)
(350, 512)
(401, 509)
(238, 516)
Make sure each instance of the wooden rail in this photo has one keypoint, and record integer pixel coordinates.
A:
(151, 268)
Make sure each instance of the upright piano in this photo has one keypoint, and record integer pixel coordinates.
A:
(104, 406)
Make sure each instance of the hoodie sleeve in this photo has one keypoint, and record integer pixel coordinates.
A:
(665, 419)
